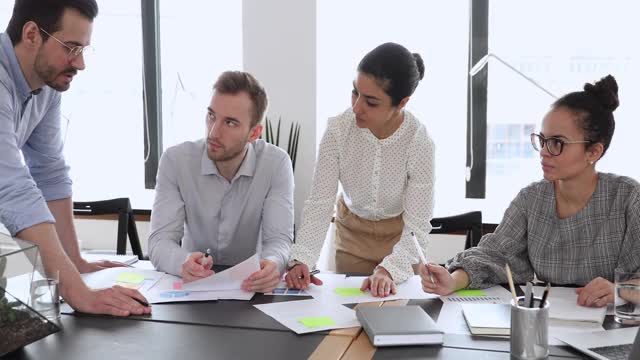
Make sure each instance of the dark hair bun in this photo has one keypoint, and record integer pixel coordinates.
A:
(606, 91)
(420, 64)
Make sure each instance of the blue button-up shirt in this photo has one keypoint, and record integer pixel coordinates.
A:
(197, 208)
(32, 167)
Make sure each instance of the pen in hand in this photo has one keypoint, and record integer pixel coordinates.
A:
(141, 302)
(314, 272)
(205, 256)
(422, 257)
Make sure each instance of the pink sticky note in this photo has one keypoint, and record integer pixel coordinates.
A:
(177, 285)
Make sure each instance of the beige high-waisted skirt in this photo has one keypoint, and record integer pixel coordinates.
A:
(362, 244)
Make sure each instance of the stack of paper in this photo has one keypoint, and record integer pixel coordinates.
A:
(566, 316)
(451, 319)
(229, 279)
(223, 285)
(563, 305)
(305, 316)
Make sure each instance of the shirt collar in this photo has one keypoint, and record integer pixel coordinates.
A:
(247, 168)
(16, 73)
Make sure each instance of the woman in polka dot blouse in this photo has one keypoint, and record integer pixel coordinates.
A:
(384, 159)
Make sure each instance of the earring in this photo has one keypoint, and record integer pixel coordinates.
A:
(591, 162)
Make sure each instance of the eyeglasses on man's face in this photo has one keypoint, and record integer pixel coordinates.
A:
(74, 51)
(554, 145)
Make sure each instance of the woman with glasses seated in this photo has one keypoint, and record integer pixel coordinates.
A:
(382, 156)
(574, 227)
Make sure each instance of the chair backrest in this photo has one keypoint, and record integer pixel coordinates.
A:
(119, 209)
(468, 223)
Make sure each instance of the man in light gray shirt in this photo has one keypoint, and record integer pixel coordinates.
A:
(229, 192)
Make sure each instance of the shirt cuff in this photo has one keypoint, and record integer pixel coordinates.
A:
(37, 212)
(57, 192)
(278, 261)
(177, 258)
(399, 274)
(302, 256)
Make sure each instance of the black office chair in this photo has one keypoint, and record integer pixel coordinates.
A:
(119, 209)
(468, 223)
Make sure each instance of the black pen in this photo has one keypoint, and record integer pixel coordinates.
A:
(316, 271)
(205, 256)
(141, 302)
(545, 294)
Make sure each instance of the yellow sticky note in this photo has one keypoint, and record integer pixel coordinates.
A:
(316, 322)
(471, 292)
(348, 291)
(129, 277)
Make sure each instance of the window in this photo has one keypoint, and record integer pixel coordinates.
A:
(102, 111)
(560, 45)
(197, 42)
(439, 31)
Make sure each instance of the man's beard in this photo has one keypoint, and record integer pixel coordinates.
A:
(49, 74)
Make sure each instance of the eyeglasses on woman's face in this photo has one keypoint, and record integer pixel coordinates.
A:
(554, 144)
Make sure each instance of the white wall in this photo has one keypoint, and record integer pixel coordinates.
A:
(280, 50)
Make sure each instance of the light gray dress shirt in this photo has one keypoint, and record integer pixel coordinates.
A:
(601, 237)
(196, 208)
(29, 129)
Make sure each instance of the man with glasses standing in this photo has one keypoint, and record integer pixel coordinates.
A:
(40, 53)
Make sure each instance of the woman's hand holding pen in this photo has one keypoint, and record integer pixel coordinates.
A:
(298, 277)
(197, 266)
(437, 280)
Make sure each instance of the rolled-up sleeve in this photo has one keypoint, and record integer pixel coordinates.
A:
(167, 219)
(277, 216)
(22, 204)
(44, 157)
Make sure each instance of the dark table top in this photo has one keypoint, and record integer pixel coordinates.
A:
(85, 337)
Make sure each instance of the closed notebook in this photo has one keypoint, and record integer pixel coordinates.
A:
(399, 325)
(488, 319)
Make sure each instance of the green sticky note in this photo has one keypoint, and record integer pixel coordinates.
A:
(471, 292)
(131, 278)
(316, 322)
(348, 291)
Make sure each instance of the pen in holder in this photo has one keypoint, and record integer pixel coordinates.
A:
(529, 329)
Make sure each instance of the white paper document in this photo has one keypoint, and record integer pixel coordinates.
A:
(171, 289)
(563, 305)
(305, 316)
(560, 327)
(230, 279)
(98, 256)
(282, 289)
(451, 320)
(339, 289)
(130, 277)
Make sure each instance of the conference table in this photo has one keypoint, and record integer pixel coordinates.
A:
(233, 329)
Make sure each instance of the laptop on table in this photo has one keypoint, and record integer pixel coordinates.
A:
(614, 344)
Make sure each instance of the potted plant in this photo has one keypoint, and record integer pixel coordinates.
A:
(292, 141)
